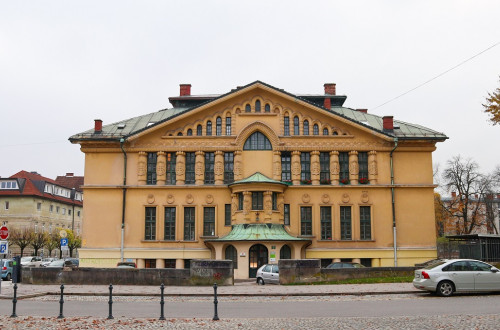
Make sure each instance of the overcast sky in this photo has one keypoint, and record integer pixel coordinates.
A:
(65, 63)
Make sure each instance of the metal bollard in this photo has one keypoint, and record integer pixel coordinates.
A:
(61, 303)
(216, 317)
(110, 316)
(14, 301)
(162, 302)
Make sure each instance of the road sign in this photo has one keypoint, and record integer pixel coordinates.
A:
(64, 242)
(4, 247)
(4, 232)
(63, 233)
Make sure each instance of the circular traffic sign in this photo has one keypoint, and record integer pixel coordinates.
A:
(63, 233)
(4, 232)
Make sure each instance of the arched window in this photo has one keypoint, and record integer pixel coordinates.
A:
(267, 108)
(315, 129)
(296, 130)
(325, 131)
(232, 254)
(179, 134)
(306, 127)
(189, 132)
(247, 108)
(209, 128)
(218, 126)
(286, 125)
(335, 133)
(257, 141)
(285, 252)
(228, 125)
(257, 106)
(198, 130)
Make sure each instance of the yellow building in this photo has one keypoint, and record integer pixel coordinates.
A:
(256, 175)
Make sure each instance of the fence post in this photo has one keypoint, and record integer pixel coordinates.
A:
(216, 317)
(110, 316)
(162, 302)
(14, 301)
(61, 303)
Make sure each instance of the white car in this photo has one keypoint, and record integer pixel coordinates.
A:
(457, 275)
(268, 274)
(32, 261)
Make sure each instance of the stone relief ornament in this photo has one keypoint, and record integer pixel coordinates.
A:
(199, 168)
(345, 198)
(237, 169)
(306, 198)
(372, 167)
(219, 168)
(151, 199)
(354, 167)
(189, 199)
(141, 168)
(364, 197)
(179, 167)
(209, 199)
(315, 168)
(335, 169)
(325, 198)
(296, 168)
(170, 198)
(161, 168)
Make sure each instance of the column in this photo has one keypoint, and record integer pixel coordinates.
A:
(268, 205)
(199, 167)
(142, 168)
(238, 166)
(353, 167)
(247, 204)
(161, 169)
(372, 167)
(234, 205)
(160, 263)
(315, 168)
(179, 263)
(219, 168)
(334, 167)
(180, 169)
(296, 169)
(277, 165)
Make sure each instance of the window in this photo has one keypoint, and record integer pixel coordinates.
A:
(344, 167)
(257, 200)
(187, 263)
(227, 214)
(286, 126)
(324, 167)
(36, 228)
(315, 129)
(240, 201)
(208, 221)
(365, 225)
(63, 210)
(171, 162)
(179, 134)
(199, 130)
(286, 167)
(248, 108)
(7, 205)
(305, 167)
(267, 108)
(228, 167)
(189, 222)
(306, 127)
(228, 125)
(51, 208)
(257, 141)
(232, 254)
(170, 263)
(306, 220)
(150, 232)
(325, 131)
(38, 206)
(275, 201)
(209, 168)
(257, 106)
(190, 163)
(296, 130)
(345, 223)
(189, 132)
(78, 214)
(169, 224)
(286, 214)
(57, 209)
(209, 128)
(149, 263)
(8, 185)
(69, 212)
(151, 168)
(326, 222)
(218, 126)
(363, 167)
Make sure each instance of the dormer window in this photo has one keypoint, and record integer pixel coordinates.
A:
(8, 185)
(267, 108)
(209, 128)
(248, 108)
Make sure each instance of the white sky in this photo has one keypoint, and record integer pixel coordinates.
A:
(65, 63)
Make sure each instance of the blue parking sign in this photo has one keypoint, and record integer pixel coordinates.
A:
(4, 247)
(64, 242)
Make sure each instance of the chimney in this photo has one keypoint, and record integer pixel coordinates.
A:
(388, 123)
(70, 174)
(329, 88)
(97, 126)
(185, 89)
(328, 103)
(453, 194)
(362, 110)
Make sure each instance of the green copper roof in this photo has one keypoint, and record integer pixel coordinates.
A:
(257, 177)
(258, 232)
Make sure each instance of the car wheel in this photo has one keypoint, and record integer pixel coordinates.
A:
(445, 289)
(260, 281)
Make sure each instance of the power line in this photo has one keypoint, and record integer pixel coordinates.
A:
(439, 75)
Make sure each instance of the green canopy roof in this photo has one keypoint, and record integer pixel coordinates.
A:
(258, 232)
(257, 177)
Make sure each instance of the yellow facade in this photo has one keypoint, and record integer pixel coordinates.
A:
(310, 187)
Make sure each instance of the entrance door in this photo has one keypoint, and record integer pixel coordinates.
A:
(258, 257)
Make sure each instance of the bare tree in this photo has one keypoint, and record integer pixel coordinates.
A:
(38, 241)
(21, 237)
(52, 242)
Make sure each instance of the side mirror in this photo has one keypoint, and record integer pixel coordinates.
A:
(494, 269)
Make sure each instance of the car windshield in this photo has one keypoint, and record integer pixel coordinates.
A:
(26, 259)
(57, 263)
(435, 264)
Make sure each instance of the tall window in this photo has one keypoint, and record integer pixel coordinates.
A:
(286, 126)
(296, 129)
(240, 201)
(190, 163)
(257, 200)
(257, 141)
(189, 223)
(228, 125)
(306, 220)
(325, 131)
(363, 166)
(171, 159)
(228, 167)
(150, 225)
(315, 129)
(232, 254)
(209, 168)
(208, 221)
(306, 127)
(285, 252)
(344, 167)
(267, 108)
(257, 106)
(199, 130)
(305, 167)
(151, 168)
(324, 166)
(209, 128)
(218, 126)
(169, 224)
(286, 214)
(365, 224)
(248, 108)
(189, 132)
(275, 201)
(345, 223)
(227, 214)
(286, 166)
(326, 222)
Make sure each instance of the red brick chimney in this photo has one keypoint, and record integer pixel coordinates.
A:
(362, 110)
(329, 88)
(327, 104)
(97, 126)
(453, 194)
(70, 174)
(185, 89)
(388, 123)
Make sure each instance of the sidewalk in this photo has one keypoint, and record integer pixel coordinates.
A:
(245, 288)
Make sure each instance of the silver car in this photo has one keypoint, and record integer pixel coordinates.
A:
(268, 274)
(457, 275)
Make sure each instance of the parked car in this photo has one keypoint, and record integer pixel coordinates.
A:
(46, 261)
(126, 264)
(268, 273)
(33, 261)
(457, 275)
(60, 263)
(337, 265)
(7, 269)
(428, 263)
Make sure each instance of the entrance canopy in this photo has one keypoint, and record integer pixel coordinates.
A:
(257, 232)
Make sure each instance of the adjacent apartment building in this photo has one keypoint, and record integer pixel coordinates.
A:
(257, 175)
